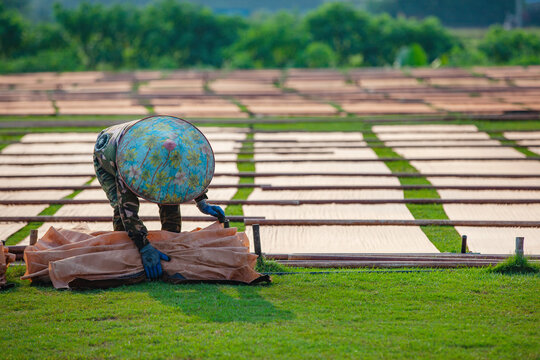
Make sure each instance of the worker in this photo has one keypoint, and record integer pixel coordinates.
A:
(163, 159)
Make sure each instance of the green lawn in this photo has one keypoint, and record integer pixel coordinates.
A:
(460, 314)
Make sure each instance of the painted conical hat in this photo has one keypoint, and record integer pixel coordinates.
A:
(165, 160)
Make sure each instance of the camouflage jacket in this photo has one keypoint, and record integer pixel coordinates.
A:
(124, 202)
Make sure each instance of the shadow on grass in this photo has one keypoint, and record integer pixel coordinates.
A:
(211, 302)
(221, 303)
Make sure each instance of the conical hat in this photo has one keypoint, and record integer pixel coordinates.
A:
(165, 160)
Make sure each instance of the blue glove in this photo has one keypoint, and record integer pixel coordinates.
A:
(212, 210)
(151, 259)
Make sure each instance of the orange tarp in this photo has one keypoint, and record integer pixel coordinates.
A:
(68, 258)
(5, 259)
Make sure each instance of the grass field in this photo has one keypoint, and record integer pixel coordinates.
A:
(451, 314)
(459, 314)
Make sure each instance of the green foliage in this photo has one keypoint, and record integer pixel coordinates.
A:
(412, 55)
(319, 55)
(516, 265)
(511, 46)
(265, 266)
(45, 60)
(277, 41)
(340, 26)
(190, 35)
(461, 56)
(11, 31)
(169, 34)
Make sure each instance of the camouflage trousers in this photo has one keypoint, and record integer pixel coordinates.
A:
(125, 206)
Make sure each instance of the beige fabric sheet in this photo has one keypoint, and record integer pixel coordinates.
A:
(533, 144)
(512, 135)
(489, 194)
(259, 194)
(461, 152)
(330, 211)
(379, 129)
(285, 239)
(44, 159)
(8, 229)
(326, 180)
(43, 181)
(21, 210)
(343, 239)
(311, 136)
(34, 194)
(489, 212)
(500, 240)
(483, 181)
(376, 107)
(79, 169)
(323, 167)
(213, 253)
(60, 137)
(467, 134)
(478, 167)
(78, 148)
(482, 239)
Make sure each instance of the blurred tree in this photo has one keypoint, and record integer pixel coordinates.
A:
(83, 26)
(511, 46)
(276, 42)
(340, 26)
(11, 31)
(187, 34)
(413, 55)
(319, 55)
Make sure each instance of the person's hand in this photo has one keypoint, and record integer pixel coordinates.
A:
(212, 210)
(151, 259)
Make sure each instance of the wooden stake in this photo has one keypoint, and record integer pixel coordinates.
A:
(519, 245)
(464, 244)
(257, 239)
(33, 237)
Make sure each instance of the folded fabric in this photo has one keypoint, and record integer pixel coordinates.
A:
(5, 259)
(76, 259)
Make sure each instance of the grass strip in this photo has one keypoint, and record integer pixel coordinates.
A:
(50, 210)
(243, 193)
(445, 238)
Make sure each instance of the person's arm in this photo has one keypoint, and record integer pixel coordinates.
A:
(212, 210)
(128, 205)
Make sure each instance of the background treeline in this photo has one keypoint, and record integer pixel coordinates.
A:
(455, 13)
(169, 34)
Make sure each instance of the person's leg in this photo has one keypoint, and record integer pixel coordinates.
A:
(118, 225)
(170, 218)
(108, 183)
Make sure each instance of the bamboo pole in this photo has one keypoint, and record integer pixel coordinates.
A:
(290, 202)
(368, 222)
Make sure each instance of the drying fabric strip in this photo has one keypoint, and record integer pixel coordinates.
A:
(530, 139)
(346, 239)
(342, 239)
(71, 259)
(480, 239)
